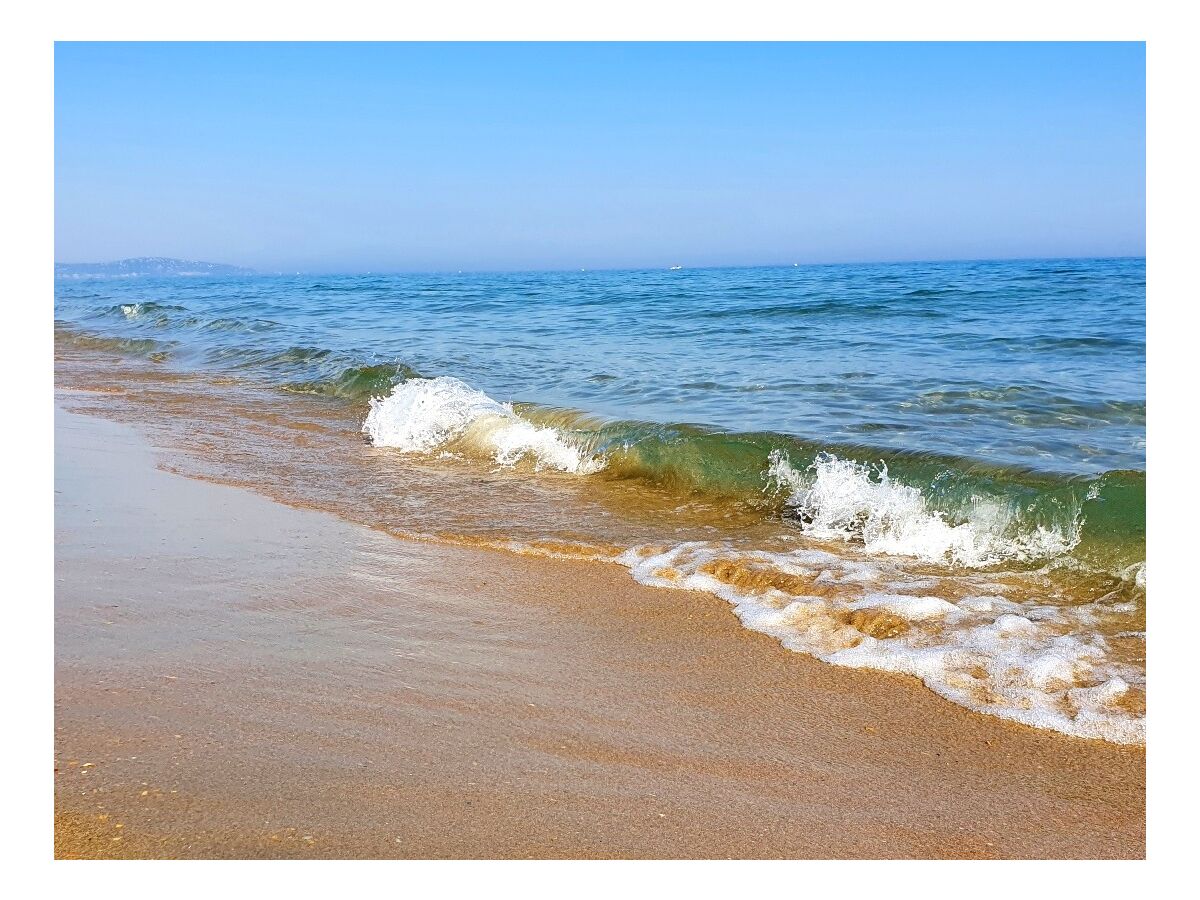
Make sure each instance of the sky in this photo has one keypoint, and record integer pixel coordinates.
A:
(434, 157)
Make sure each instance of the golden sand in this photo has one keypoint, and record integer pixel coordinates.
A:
(238, 678)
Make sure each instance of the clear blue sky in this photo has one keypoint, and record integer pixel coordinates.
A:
(350, 157)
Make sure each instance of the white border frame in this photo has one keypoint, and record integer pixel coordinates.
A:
(28, 526)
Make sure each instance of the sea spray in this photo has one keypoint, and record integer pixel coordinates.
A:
(844, 499)
(426, 413)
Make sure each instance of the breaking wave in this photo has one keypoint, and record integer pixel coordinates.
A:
(424, 414)
(843, 499)
(936, 509)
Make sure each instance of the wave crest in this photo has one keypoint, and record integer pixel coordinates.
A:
(424, 414)
(841, 499)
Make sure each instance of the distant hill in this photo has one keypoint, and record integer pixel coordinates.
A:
(145, 266)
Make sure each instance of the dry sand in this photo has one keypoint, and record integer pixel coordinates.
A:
(238, 678)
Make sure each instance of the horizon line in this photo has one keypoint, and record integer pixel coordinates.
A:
(663, 268)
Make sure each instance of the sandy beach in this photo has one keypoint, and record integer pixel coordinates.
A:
(239, 678)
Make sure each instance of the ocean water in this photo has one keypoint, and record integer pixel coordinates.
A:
(933, 468)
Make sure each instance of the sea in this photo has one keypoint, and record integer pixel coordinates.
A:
(931, 469)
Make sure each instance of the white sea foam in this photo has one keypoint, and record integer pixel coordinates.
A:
(424, 414)
(1039, 664)
(1135, 574)
(841, 499)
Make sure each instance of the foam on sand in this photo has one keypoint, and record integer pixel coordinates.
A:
(1032, 662)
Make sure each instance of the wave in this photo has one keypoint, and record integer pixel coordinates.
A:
(160, 315)
(1079, 343)
(356, 382)
(843, 499)
(283, 362)
(1031, 406)
(823, 308)
(423, 414)
(937, 509)
(144, 308)
(154, 350)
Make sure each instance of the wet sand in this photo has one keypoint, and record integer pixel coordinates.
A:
(239, 678)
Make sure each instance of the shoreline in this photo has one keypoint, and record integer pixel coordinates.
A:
(240, 678)
(825, 597)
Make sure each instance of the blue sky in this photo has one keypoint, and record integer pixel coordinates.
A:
(391, 157)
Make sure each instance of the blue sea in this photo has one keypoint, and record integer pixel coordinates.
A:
(929, 468)
(1038, 364)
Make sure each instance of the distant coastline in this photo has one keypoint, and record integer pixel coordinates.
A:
(146, 266)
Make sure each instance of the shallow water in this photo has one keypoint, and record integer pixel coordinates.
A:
(929, 468)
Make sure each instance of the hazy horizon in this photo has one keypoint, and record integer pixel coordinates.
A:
(390, 158)
(561, 269)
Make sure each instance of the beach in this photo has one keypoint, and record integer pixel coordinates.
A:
(966, 506)
(238, 677)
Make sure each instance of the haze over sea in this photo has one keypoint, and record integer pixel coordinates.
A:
(933, 468)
